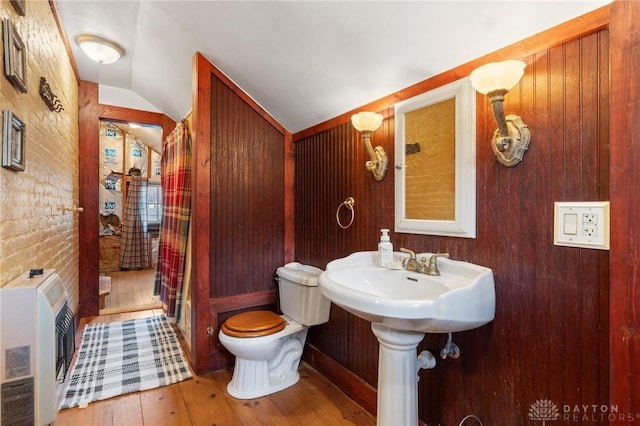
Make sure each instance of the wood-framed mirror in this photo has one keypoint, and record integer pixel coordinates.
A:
(435, 171)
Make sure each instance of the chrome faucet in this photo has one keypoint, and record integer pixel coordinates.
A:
(421, 266)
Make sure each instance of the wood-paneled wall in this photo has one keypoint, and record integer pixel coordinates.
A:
(240, 175)
(247, 196)
(549, 339)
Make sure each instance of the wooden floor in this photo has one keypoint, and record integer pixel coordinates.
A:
(131, 291)
(203, 401)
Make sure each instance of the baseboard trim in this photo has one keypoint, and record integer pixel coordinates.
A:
(353, 386)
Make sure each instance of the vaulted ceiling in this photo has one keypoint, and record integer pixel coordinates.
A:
(303, 61)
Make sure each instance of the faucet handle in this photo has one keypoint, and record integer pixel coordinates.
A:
(433, 260)
(434, 257)
(433, 263)
(411, 253)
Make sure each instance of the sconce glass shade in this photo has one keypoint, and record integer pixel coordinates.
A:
(497, 76)
(366, 121)
(99, 49)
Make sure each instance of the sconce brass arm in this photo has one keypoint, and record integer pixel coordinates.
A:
(378, 163)
(497, 100)
(511, 139)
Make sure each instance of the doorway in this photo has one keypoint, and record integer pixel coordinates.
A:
(130, 208)
(90, 114)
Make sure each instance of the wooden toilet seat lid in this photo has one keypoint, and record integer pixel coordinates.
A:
(253, 324)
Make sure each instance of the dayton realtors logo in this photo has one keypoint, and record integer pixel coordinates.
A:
(546, 410)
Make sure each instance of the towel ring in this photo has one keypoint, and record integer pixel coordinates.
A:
(349, 202)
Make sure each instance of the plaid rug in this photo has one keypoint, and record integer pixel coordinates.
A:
(122, 357)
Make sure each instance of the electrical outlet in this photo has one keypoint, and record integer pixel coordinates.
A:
(582, 224)
(589, 230)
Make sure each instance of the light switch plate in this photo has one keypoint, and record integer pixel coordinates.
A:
(581, 224)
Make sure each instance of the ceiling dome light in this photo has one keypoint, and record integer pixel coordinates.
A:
(99, 49)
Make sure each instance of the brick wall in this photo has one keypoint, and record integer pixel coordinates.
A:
(33, 230)
(430, 184)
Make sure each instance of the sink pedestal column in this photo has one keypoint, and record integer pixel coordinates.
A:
(397, 376)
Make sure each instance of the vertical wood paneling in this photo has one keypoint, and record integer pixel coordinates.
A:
(541, 89)
(247, 196)
(549, 338)
(289, 198)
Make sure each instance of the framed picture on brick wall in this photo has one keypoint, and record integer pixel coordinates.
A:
(15, 56)
(13, 140)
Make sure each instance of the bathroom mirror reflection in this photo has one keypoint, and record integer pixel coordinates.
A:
(435, 179)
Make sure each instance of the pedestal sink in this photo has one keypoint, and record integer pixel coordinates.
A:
(402, 306)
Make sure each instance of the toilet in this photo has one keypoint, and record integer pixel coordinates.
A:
(268, 347)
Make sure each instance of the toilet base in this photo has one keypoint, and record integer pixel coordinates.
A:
(257, 382)
(253, 379)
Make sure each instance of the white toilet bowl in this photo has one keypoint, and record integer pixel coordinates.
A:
(268, 350)
(267, 364)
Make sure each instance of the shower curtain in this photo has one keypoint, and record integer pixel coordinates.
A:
(176, 196)
(134, 253)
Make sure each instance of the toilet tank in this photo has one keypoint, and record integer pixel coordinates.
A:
(300, 296)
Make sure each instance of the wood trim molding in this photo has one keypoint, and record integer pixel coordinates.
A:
(624, 113)
(88, 153)
(223, 305)
(201, 208)
(116, 113)
(586, 24)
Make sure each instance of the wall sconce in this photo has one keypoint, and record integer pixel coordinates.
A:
(366, 123)
(100, 49)
(511, 139)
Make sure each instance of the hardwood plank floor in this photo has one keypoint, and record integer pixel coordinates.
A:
(203, 400)
(131, 291)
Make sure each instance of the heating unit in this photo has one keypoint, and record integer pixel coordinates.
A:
(36, 345)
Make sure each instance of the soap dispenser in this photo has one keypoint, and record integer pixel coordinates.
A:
(385, 249)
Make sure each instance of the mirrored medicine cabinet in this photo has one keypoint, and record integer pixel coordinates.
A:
(435, 171)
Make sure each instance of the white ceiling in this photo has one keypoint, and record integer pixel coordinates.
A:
(303, 61)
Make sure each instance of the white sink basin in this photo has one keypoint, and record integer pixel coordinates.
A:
(461, 298)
